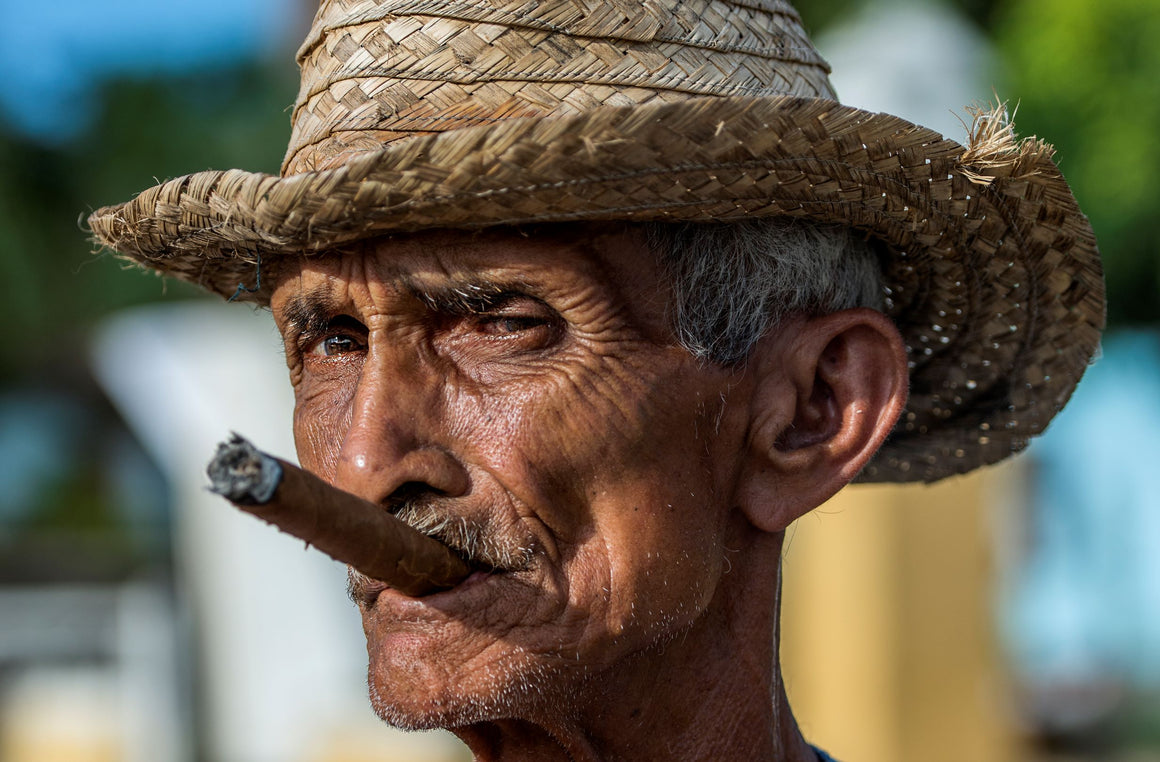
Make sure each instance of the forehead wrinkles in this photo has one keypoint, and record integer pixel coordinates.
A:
(629, 274)
(313, 285)
(604, 277)
(344, 281)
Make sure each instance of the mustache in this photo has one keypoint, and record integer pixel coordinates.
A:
(479, 542)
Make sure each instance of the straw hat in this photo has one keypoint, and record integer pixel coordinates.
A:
(417, 114)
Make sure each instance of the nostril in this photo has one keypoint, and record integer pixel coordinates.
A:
(411, 493)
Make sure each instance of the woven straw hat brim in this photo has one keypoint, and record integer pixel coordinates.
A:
(996, 284)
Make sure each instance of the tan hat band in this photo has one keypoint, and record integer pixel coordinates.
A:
(625, 76)
(405, 105)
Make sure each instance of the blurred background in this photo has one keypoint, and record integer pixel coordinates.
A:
(1011, 615)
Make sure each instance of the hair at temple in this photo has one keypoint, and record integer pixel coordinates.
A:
(733, 282)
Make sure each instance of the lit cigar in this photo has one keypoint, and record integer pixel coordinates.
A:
(345, 527)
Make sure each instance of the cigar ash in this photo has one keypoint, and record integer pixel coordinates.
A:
(242, 474)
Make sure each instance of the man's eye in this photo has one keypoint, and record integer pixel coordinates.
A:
(337, 344)
(502, 325)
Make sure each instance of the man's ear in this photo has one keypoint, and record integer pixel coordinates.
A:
(827, 392)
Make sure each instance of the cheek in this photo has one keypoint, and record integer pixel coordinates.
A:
(552, 441)
(664, 551)
(322, 418)
(612, 465)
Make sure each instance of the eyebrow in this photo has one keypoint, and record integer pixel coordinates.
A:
(312, 311)
(464, 297)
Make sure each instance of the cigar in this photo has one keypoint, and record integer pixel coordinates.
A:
(346, 528)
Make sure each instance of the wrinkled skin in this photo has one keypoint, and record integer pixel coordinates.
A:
(532, 387)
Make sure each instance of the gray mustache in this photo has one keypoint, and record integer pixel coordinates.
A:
(477, 542)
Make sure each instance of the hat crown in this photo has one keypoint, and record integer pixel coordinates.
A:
(377, 71)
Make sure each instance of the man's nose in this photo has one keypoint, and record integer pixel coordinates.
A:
(394, 440)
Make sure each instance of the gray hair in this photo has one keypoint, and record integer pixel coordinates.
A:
(733, 282)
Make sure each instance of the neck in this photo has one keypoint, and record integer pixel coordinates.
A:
(712, 692)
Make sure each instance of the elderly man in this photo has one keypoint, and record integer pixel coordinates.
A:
(603, 295)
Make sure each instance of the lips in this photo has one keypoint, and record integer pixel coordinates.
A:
(365, 591)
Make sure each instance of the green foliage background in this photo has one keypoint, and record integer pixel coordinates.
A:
(1087, 77)
(56, 286)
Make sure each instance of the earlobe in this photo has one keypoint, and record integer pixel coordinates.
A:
(829, 392)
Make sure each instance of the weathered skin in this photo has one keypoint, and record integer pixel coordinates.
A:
(651, 490)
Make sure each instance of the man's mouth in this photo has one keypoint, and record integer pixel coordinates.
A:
(364, 591)
(478, 543)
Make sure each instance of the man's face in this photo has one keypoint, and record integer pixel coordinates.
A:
(525, 396)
